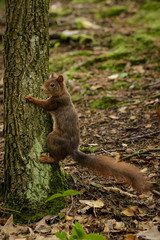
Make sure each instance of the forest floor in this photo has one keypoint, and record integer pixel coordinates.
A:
(109, 52)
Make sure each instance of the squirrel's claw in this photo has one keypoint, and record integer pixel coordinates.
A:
(29, 98)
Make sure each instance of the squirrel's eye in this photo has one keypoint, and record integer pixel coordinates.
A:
(52, 84)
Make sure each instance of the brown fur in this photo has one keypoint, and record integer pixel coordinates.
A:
(64, 139)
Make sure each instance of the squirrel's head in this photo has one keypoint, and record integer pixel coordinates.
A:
(54, 86)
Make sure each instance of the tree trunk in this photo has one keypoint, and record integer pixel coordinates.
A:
(26, 46)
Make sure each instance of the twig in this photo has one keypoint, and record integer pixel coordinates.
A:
(151, 84)
(141, 136)
(114, 189)
(70, 209)
(142, 152)
(156, 192)
(8, 210)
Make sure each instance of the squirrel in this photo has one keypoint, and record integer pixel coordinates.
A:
(64, 139)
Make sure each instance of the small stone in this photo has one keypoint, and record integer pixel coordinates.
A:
(129, 151)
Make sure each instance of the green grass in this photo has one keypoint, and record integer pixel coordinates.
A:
(113, 66)
(148, 14)
(119, 85)
(60, 12)
(111, 12)
(105, 102)
(60, 63)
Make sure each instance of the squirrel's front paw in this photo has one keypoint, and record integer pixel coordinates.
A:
(29, 98)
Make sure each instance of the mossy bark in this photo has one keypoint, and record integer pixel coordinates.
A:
(26, 49)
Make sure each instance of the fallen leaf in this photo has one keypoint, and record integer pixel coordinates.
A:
(131, 237)
(86, 24)
(119, 226)
(123, 75)
(69, 33)
(46, 238)
(68, 218)
(96, 204)
(113, 117)
(139, 69)
(109, 226)
(148, 126)
(113, 226)
(132, 117)
(114, 76)
(95, 87)
(151, 234)
(131, 211)
(156, 219)
(20, 238)
(124, 144)
(122, 109)
(42, 226)
(84, 210)
(9, 228)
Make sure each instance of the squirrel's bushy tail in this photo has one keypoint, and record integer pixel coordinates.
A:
(109, 167)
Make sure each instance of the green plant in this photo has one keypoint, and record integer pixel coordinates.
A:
(69, 192)
(78, 233)
(91, 149)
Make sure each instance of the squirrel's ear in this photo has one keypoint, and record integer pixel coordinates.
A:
(53, 75)
(60, 79)
(50, 76)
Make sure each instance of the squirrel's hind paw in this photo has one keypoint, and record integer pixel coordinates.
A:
(46, 159)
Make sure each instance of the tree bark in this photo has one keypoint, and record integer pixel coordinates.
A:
(26, 51)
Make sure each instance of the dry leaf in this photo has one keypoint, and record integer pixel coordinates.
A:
(68, 218)
(9, 228)
(20, 238)
(87, 24)
(69, 33)
(151, 234)
(109, 226)
(95, 87)
(131, 211)
(124, 144)
(148, 126)
(132, 117)
(139, 69)
(122, 109)
(83, 210)
(42, 226)
(156, 219)
(46, 238)
(113, 117)
(113, 226)
(96, 204)
(131, 237)
(114, 76)
(119, 226)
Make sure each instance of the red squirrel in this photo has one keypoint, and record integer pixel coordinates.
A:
(64, 139)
